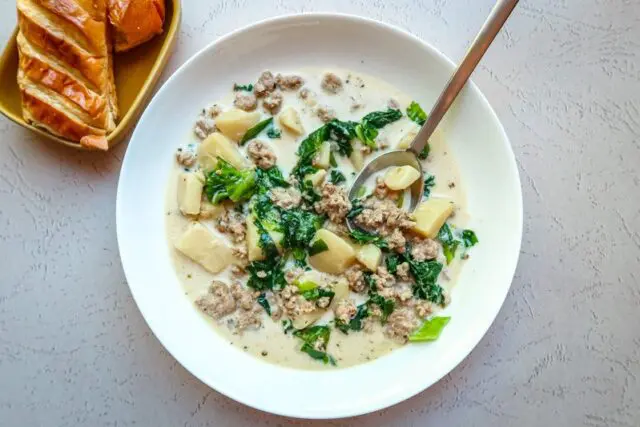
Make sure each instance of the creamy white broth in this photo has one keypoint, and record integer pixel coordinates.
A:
(269, 342)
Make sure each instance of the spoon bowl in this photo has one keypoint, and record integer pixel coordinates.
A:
(383, 161)
(483, 40)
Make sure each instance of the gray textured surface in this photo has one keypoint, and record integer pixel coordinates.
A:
(565, 350)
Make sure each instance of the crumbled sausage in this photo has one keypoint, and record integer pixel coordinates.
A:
(294, 304)
(272, 102)
(331, 83)
(338, 229)
(381, 191)
(423, 308)
(275, 303)
(382, 278)
(323, 302)
(383, 216)
(245, 101)
(286, 198)
(334, 203)
(393, 104)
(292, 82)
(237, 271)
(355, 277)
(243, 296)
(344, 310)
(403, 271)
(425, 249)
(261, 154)
(205, 125)
(401, 323)
(232, 222)
(396, 241)
(251, 318)
(326, 113)
(404, 292)
(186, 156)
(355, 104)
(308, 96)
(266, 84)
(218, 301)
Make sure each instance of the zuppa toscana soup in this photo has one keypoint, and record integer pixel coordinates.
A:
(256, 220)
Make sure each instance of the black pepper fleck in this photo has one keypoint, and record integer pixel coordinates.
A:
(264, 353)
(452, 185)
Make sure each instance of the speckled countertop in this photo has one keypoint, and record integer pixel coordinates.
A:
(565, 349)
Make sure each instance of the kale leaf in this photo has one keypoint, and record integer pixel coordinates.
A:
(469, 238)
(255, 130)
(356, 208)
(429, 183)
(270, 178)
(246, 88)
(262, 300)
(386, 305)
(317, 247)
(227, 182)
(355, 324)
(317, 293)
(363, 237)
(392, 261)
(273, 132)
(337, 177)
(425, 152)
(367, 129)
(449, 242)
(307, 151)
(416, 113)
(299, 227)
(425, 274)
(267, 274)
(315, 339)
(342, 133)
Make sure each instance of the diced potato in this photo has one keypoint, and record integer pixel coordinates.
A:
(235, 123)
(356, 157)
(431, 215)
(317, 178)
(254, 251)
(341, 289)
(407, 139)
(217, 145)
(400, 177)
(199, 244)
(337, 258)
(307, 319)
(323, 158)
(369, 255)
(210, 211)
(290, 120)
(190, 187)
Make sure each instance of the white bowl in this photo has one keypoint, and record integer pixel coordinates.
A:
(474, 134)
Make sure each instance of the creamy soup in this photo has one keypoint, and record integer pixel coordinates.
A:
(256, 212)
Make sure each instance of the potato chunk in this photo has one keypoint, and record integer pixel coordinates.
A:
(400, 177)
(341, 289)
(199, 244)
(316, 178)
(307, 319)
(217, 145)
(407, 139)
(369, 255)
(290, 120)
(235, 123)
(339, 255)
(356, 157)
(190, 187)
(323, 158)
(431, 215)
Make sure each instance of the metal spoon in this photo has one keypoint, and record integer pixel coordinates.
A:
(485, 37)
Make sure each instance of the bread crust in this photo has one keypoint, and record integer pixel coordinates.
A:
(135, 21)
(65, 69)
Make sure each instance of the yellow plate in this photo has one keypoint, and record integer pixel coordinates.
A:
(136, 73)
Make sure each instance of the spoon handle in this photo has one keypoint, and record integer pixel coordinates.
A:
(485, 37)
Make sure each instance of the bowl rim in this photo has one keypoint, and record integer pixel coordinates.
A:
(287, 19)
(126, 122)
